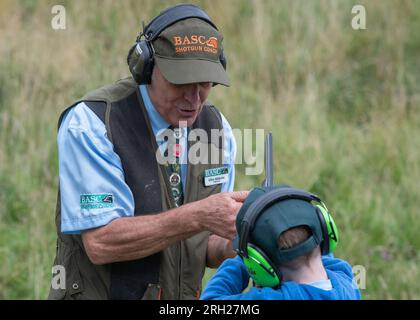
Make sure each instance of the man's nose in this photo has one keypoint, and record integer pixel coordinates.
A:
(192, 94)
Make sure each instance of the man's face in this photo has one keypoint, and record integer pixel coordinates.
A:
(175, 102)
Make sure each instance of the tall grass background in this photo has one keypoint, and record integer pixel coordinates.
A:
(343, 106)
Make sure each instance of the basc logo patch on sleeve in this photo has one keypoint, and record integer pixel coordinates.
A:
(96, 201)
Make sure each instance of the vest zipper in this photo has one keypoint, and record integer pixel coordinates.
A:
(186, 200)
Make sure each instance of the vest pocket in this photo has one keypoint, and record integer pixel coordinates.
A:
(74, 282)
(205, 191)
(68, 256)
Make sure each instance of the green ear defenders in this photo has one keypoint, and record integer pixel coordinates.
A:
(140, 57)
(260, 267)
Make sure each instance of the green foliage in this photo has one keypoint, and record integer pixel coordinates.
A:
(342, 105)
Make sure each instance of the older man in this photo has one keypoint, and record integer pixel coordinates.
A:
(131, 225)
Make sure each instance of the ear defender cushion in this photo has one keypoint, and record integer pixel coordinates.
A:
(140, 62)
(329, 228)
(260, 268)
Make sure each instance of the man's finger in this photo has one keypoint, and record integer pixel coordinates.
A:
(239, 196)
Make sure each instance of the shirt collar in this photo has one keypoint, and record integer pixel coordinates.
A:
(156, 120)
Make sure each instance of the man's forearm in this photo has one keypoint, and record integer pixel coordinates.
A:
(137, 237)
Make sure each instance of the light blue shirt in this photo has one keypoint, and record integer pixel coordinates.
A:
(89, 166)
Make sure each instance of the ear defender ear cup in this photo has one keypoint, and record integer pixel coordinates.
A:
(260, 268)
(140, 61)
(329, 230)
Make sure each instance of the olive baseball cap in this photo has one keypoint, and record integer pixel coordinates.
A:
(276, 219)
(189, 52)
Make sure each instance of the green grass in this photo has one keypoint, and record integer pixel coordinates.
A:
(342, 105)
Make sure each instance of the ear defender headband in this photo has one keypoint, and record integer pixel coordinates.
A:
(140, 57)
(260, 267)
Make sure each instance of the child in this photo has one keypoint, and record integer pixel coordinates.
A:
(285, 245)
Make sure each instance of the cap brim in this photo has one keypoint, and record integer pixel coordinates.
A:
(192, 71)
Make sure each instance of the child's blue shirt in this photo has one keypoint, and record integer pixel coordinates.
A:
(232, 278)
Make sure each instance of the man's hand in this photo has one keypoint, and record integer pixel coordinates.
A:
(218, 249)
(217, 213)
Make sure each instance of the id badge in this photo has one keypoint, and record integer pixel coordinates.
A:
(216, 176)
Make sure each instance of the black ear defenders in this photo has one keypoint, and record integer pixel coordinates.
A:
(140, 57)
(263, 271)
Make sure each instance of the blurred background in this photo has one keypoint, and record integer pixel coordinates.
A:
(343, 106)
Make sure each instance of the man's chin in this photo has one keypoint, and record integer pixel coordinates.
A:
(188, 118)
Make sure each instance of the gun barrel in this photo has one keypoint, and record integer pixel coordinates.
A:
(268, 157)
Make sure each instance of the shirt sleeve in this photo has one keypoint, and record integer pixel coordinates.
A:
(229, 154)
(230, 279)
(92, 186)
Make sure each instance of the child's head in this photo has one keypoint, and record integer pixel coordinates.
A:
(280, 226)
(293, 237)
